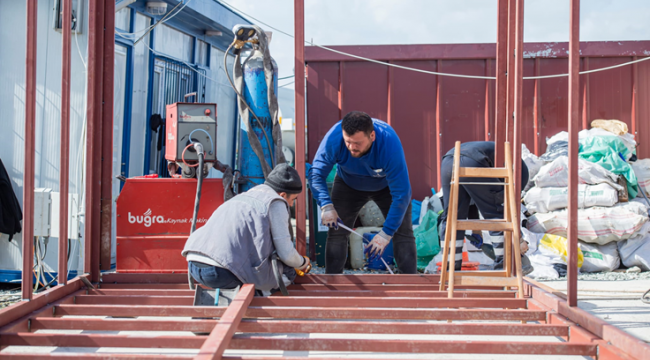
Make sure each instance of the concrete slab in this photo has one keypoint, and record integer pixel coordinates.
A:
(617, 302)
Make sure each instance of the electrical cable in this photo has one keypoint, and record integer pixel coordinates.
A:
(287, 84)
(183, 156)
(163, 20)
(207, 133)
(245, 15)
(225, 69)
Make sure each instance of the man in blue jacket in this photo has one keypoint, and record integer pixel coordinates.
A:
(370, 166)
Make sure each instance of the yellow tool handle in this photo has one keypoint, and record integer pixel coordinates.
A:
(302, 273)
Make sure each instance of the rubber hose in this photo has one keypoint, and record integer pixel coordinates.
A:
(199, 183)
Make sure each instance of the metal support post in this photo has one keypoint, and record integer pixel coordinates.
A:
(574, 128)
(299, 31)
(64, 174)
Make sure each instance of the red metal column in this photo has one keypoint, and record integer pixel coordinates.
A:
(536, 108)
(574, 128)
(93, 137)
(64, 164)
(518, 120)
(510, 100)
(439, 123)
(104, 245)
(299, 65)
(635, 97)
(501, 82)
(585, 95)
(28, 173)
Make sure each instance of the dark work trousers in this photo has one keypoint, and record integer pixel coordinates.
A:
(213, 276)
(348, 203)
(488, 200)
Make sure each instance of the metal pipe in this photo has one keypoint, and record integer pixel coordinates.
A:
(501, 82)
(102, 250)
(574, 128)
(28, 173)
(510, 106)
(64, 174)
(518, 121)
(299, 65)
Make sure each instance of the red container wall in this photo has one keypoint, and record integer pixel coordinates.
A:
(431, 112)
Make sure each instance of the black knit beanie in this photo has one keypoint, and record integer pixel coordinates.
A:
(285, 179)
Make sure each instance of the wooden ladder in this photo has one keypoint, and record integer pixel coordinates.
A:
(507, 225)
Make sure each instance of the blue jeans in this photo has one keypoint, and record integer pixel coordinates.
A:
(212, 276)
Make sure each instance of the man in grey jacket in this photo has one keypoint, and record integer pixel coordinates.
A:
(236, 244)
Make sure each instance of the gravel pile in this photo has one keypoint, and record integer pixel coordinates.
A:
(607, 276)
(9, 294)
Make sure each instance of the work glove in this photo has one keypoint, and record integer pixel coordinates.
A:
(376, 247)
(329, 216)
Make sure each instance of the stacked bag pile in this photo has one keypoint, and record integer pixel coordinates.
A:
(611, 220)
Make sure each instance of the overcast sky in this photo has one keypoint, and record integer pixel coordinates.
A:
(363, 22)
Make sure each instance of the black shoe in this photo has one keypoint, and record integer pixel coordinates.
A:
(526, 266)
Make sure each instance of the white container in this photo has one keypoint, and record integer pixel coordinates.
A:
(357, 258)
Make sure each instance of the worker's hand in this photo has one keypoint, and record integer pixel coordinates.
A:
(307, 264)
(523, 247)
(378, 244)
(172, 167)
(329, 216)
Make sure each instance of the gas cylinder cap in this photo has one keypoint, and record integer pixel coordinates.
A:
(207, 112)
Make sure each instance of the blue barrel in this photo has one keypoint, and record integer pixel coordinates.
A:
(376, 263)
(256, 96)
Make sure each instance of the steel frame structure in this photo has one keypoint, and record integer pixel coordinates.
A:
(347, 305)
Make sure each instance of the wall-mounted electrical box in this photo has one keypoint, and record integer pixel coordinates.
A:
(46, 214)
(77, 15)
(42, 211)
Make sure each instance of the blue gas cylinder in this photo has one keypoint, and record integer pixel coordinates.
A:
(256, 96)
(375, 263)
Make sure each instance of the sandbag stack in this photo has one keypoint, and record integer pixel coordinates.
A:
(608, 224)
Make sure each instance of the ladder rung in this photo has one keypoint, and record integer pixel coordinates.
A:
(487, 225)
(468, 172)
(485, 281)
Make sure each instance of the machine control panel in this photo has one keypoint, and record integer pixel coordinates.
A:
(187, 123)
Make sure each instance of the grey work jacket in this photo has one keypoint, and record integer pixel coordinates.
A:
(238, 237)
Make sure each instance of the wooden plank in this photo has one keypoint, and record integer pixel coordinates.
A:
(486, 281)
(499, 173)
(484, 225)
(222, 334)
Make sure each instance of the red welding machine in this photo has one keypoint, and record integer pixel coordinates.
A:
(154, 217)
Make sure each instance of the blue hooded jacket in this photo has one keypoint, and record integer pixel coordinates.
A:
(383, 166)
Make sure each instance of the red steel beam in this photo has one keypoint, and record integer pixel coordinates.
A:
(145, 278)
(30, 128)
(240, 342)
(23, 323)
(16, 311)
(64, 162)
(432, 280)
(102, 250)
(608, 332)
(155, 292)
(518, 120)
(501, 82)
(303, 312)
(366, 302)
(220, 337)
(404, 293)
(93, 146)
(574, 147)
(415, 346)
(78, 356)
(298, 326)
(299, 66)
(510, 106)
(381, 287)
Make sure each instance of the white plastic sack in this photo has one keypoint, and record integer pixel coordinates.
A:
(642, 172)
(556, 174)
(599, 258)
(533, 163)
(554, 198)
(543, 271)
(532, 239)
(597, 225)
(636, 252)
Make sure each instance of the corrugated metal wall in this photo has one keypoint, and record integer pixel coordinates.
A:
(431, 112)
